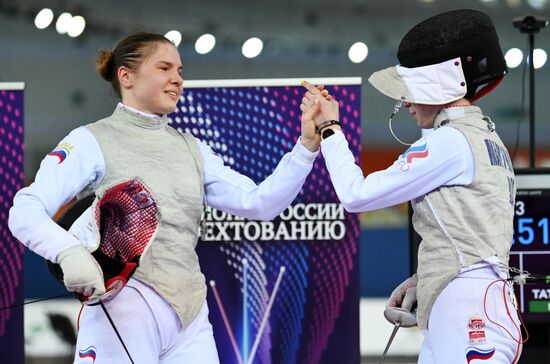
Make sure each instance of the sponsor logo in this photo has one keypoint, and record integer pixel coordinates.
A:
(476, 327)
(89, 352)
(473, 353)
(477, 337)
(476, 323)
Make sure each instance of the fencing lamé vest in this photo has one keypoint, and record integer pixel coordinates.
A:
(170, 166)
(464, 225)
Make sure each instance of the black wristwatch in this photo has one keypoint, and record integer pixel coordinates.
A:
(326, 133)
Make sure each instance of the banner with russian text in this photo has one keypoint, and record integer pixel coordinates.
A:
(11, 251)
(282, 291)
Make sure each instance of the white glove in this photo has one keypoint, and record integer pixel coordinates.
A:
(81, 272)
(399, 306)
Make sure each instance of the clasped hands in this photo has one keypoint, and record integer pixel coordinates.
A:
(317, 107)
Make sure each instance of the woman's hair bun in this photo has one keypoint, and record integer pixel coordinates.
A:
(104, 64)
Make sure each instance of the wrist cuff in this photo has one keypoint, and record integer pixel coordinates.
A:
(326, 124)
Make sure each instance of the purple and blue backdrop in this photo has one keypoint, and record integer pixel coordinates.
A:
(284, 291)
(11, 251)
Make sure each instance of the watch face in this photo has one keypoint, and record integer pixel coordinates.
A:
(327, 133)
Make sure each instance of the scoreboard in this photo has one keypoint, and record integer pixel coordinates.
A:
(531, 245)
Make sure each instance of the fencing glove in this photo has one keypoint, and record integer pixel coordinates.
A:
(401, 306)
(81, 272)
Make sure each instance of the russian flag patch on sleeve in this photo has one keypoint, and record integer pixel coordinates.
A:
(405, 160)
(61, 152)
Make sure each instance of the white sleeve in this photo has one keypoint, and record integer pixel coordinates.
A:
(237, 194)
(442, 158)
(77, 162)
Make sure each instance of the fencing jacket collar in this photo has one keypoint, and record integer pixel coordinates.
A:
(137, 118)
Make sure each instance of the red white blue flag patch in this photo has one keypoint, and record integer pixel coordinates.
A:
(89, 352)
(61, 152)
(473, 353)
(406, 159)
